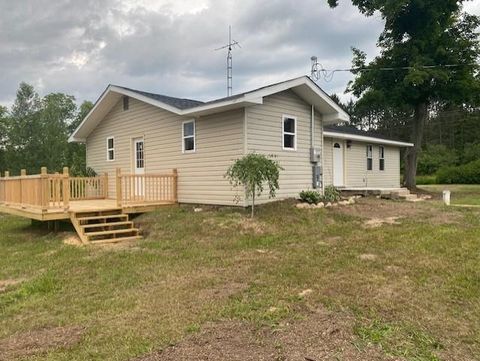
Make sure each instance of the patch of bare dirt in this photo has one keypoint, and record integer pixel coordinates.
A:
(38, 342)
(323, 335)
(373, 208)
(222, 291)
(71, 239)
(368, 257)
(236, 221)
(378, 222)
(4, 284)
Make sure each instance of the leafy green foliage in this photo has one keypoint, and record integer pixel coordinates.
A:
(331, 194)
(310, 197)
(417, 34)
(35, 133)
(464, 174)
(435, 157)
(471, 152)
(426, 179)
(252, 172)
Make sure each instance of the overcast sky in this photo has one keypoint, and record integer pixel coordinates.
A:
(167, 46)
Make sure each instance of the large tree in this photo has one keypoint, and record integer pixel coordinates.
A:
(24, 131)
(428, 56)
(3, 135)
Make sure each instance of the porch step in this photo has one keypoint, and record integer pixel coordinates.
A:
(119, 239)
(94, 218)
(104, 226)
(110, 232)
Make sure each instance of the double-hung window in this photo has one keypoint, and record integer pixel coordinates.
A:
(289, 132)
(381, 157)
(188, 136)
(369, 157)
(110, 149)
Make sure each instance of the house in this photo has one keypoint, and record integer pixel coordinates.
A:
(146, 133)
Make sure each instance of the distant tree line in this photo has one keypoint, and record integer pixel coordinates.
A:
(34, 133)
(451, 137)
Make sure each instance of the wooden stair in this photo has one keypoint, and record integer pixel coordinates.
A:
(105, 226)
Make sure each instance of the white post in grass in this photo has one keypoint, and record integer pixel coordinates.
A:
(446, 197)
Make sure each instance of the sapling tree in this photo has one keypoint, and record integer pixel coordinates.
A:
(253, 172)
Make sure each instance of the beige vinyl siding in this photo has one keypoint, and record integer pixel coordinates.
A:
(328, 162)
(355, 163)
(264, 135)
(219, 140)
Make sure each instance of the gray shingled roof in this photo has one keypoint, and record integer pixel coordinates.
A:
(179, 103)
(354, 131)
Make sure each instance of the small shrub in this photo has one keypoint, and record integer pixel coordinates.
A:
(331, 194)
(426, 179)
(310, 197)
(464, 174)
(253, 172)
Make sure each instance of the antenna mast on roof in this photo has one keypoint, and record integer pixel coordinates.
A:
(231, 44)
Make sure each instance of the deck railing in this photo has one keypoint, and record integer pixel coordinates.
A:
(55, 191)
(50, 191)
(85, 188)
(146, 188)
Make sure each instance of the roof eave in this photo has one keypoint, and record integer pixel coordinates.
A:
(366, 139)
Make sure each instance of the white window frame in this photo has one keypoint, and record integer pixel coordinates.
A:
(194, 136)
(381, 156)
(285, 116)
(110, 149)
(369, 146)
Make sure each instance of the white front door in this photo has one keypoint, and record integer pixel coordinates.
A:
(338, 164)
(139, 166)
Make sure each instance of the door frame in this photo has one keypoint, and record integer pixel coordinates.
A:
(342, 144)
(133, 156)
(138, 184)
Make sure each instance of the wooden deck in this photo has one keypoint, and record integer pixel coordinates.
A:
(83, 206)
(47, 197)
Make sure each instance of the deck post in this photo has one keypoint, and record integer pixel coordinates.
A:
(105, 185)
(7, 174)
(118, 184)
(23, 174)
(66, 189)
(175, 185)
(44, 188)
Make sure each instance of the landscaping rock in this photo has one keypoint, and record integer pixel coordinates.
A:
(343, 203)
(328, 205)
(196, 210)
(302, 205)
(320, 205)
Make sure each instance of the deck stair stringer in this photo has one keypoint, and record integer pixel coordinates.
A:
(104, 226)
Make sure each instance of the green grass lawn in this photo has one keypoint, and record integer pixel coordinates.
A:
(468, 194)
(412, 288)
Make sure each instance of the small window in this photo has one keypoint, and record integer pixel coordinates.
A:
(110, 149)
(188, 135)
(140, 155)
(289, 136)
(369, 157)
(381, 157)
(126, 102)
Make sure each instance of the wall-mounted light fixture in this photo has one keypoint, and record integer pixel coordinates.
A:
(349, 143)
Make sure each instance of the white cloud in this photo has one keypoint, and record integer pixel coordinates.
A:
(167, 46)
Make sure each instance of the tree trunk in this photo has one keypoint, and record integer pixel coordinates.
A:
(411, 155)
